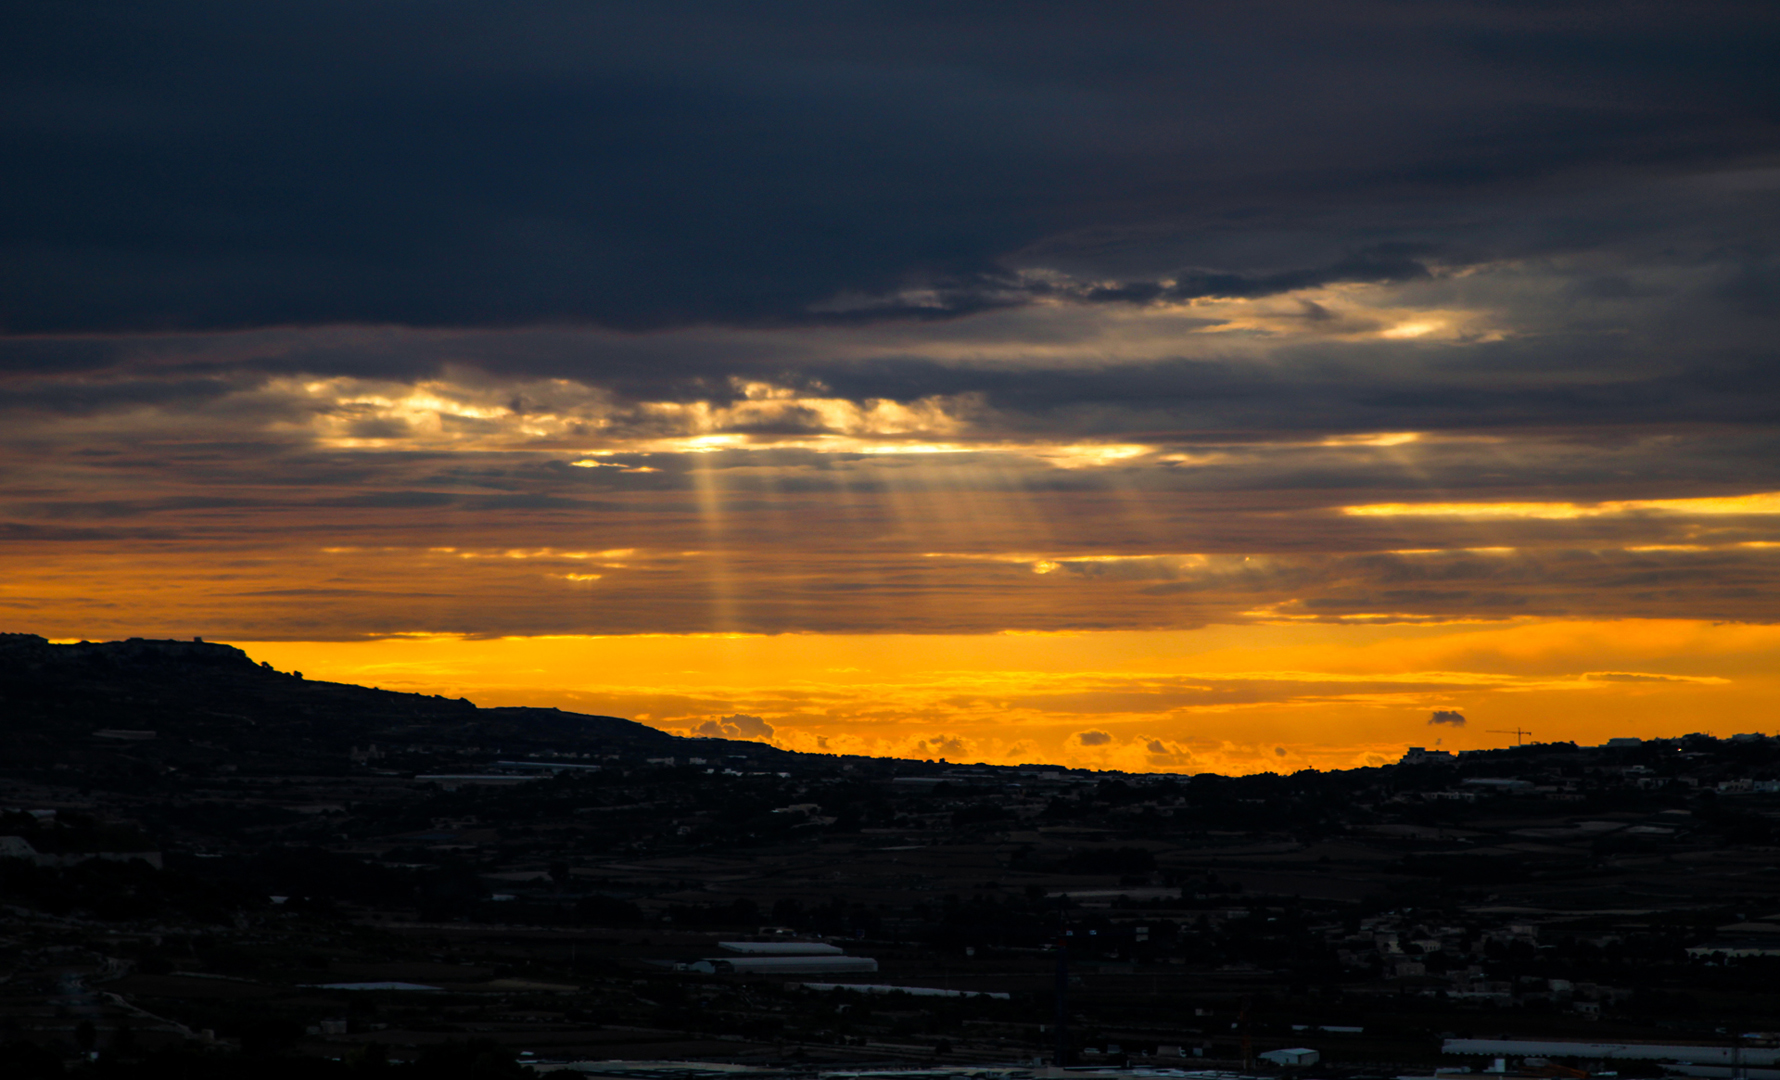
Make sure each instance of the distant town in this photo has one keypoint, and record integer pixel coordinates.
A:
(206, 864)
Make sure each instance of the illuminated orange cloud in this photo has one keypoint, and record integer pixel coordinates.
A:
(1734, 505)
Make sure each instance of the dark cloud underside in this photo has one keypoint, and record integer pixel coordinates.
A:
(196, 165)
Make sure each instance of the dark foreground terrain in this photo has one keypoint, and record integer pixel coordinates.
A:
(215, 869)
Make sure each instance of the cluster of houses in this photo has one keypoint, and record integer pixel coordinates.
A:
(1604, 767)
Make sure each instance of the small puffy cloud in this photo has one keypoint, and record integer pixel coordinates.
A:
(1093, 738)
(738, 726)
(945, 746)
(1160, 753)
(1279, 751)
(1447, 716)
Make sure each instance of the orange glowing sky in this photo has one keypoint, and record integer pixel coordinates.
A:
(1077, 385)
(919, 578)
(1227, 699)
(914, 579)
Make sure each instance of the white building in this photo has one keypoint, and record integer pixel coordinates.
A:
(780, 948)
(1417, 755)
(1298, 1056)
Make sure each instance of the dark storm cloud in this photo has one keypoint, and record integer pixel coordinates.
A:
(79, 398)
(204, 165)
(58, 354)
(1388, 264)
(19, 531)
(126, 508)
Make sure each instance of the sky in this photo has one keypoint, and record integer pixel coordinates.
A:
(1153, 386)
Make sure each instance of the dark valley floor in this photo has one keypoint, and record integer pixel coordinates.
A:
(213, 868)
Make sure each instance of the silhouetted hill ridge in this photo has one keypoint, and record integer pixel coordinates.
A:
(217, 703)
(56, 697)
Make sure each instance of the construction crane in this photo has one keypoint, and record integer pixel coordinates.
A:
(1518, 734)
